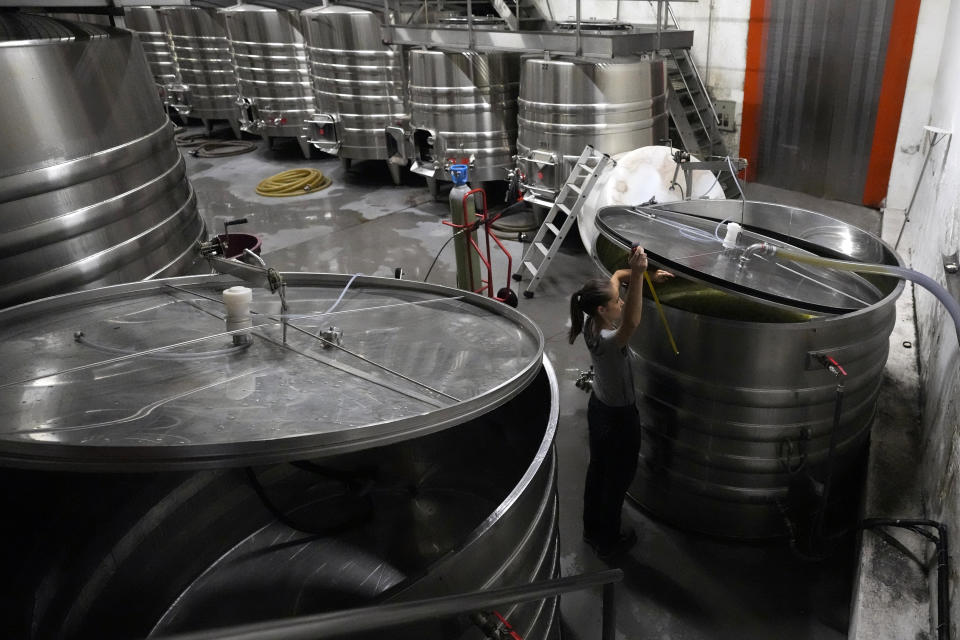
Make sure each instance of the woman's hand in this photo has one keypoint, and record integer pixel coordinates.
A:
(660, 275)
(638, 261)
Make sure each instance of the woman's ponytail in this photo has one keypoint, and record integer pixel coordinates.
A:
(595, 293)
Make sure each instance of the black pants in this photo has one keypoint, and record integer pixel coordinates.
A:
(614, 447)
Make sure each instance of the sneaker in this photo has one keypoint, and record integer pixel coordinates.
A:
(621, 545)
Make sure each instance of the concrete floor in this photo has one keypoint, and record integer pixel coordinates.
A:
(677, 585)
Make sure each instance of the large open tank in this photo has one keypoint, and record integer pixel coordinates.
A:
(463, 109)
(270, 55)
(93, 190)
(207, 87)
(567, 103)
(146, 22)
(394, 441)
(743, 417)
(359, 85)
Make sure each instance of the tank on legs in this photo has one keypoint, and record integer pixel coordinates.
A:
(463, 109)
(566, 103)
(358, 83)
(270, 56)
(92, 187)
(207, 84)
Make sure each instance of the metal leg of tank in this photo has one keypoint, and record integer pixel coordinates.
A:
(207, 126)
(346, 163)
(434, 186)
(235, 127)
(305, 148)
(394, 169)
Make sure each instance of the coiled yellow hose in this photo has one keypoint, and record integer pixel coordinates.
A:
(295, 182)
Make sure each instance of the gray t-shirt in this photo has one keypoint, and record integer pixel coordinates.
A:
(613, 367)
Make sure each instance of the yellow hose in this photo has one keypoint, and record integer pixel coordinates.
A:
(663, 316)
(295, 182)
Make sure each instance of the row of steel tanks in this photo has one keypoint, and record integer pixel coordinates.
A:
(326, 76)
(245, 65)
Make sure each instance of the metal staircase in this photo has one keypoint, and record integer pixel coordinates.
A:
(691, 111)
(546, 243)
(693, 119)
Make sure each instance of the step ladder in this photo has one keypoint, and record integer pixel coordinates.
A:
(546, 243)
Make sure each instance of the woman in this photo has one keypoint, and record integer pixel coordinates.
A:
(611, 413)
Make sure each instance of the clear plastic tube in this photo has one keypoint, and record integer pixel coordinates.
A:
(925, 281)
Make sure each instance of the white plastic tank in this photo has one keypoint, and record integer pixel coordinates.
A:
(635, 178)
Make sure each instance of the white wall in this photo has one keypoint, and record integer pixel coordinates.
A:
(934, 230)
(719, 45)
(908, 156)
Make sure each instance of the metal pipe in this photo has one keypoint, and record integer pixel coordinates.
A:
(659, 21)
(470, 30)
(943, 561)
(609, 613)
(376, 618)
(579, 45)
(828, 480)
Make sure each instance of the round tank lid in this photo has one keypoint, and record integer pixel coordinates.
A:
(144, 376)
(693, 246)
(19, 29)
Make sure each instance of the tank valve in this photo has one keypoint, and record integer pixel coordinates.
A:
(332, 337)
(585, 380)
(237, 302)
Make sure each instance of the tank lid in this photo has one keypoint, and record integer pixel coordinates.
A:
(144, 376)
(19, 29)
(693, 246)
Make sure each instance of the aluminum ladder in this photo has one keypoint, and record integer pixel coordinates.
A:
(546, 243)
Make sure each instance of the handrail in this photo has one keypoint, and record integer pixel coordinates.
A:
(693, 65)
(360, 619)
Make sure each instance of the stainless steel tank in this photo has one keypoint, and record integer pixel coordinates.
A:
(406, 452)
(147, 24)
(207, 87)
(567, 103)
(92, 187)
(745, 413)
(463, 108)
(270, 55)
(359, 85)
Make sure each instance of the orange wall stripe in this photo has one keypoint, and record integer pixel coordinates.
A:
(753, 85)
(896, 68)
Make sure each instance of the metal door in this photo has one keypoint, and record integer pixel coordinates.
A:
(824, 69)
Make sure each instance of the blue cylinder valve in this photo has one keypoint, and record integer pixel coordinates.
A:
(458, 174)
